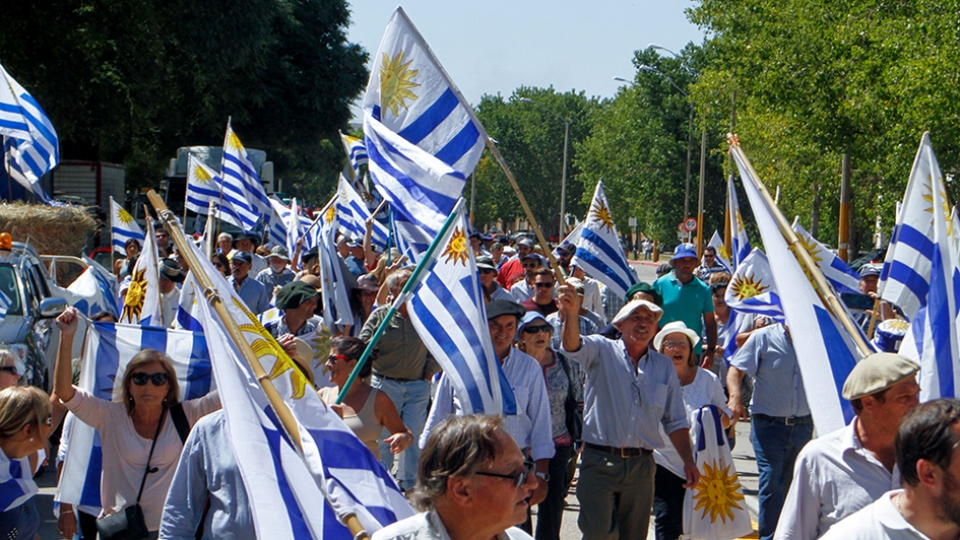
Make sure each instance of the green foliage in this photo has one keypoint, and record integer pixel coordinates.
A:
(129, 81)
(530, 138)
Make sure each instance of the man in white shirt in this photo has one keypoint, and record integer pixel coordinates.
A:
(844, 471)
(928, 506)
(171, 276)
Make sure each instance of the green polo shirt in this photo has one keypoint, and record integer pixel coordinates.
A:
(685, 303)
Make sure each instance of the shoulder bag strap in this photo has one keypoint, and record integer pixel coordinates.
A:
(153, 445)
(180, 421)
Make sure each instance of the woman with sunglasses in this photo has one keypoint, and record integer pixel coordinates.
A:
(221, 262)
(365, 410)
(25, 423)
(127, 428)
(565, 389)
(700, 388)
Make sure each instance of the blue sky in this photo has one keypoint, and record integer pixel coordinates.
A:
(496, 46)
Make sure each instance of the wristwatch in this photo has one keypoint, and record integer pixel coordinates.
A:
(545, 476)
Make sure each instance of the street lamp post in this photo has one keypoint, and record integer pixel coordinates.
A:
(563, 181)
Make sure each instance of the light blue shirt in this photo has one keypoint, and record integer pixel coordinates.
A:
(253, 293)
(623, 406)
(769, 357)
(207, 466)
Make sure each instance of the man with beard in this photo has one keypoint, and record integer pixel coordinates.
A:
(928, 506)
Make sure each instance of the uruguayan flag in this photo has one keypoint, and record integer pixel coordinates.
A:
(722, 256)
(30, 144)
(447, 309)
(826, 350)
(422, 137)
(334, 293)
(108, 349)
(141, 294)
(123, 227)
(356, 152)
(752, 288)
(920, 276)
(203, 186)
(285, 486)
(599, 252)
(95, 293)
(740, 247)
(571, 238)
(16, 482)
(353, 213)
(243, 194)
(837, 272)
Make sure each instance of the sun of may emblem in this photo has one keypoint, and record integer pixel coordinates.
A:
(136, 296)
(233, 141)
(331, 213)
(811, 246)
(747, 287)
(124, 217)
(928, 196)
(717, 493)
(265, 346)
(395, 83)
(201, 174)
(601, 214)
(456, 250)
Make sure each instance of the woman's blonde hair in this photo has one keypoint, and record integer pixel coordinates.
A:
(22, 405)
(142, 358)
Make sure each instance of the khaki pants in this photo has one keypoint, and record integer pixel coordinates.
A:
(616, 495)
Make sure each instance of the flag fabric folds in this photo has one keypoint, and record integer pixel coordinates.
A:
(108, 348)
(740, 245)
(141, 301)
(243, 194)
(30, 144)
(722, 256)
(752, 288)
(95, 292)
(447, 309)
(334, 293)
(919, 276)
(356, 152)
(838, 273)
(599, 252)
(286, 486)
(353, 212)
(123, 227)
(203, 186)
(826, 350)
(571, 238)
(715, 508)
(422, 137)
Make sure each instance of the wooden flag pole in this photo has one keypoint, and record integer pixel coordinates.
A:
(279, 406)
(803, 257)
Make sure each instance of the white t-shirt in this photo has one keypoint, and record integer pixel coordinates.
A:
(878, 521)
(704, 390)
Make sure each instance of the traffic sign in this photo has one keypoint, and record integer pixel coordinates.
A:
(690, 224)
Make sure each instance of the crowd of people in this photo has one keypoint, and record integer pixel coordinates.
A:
(602, 382)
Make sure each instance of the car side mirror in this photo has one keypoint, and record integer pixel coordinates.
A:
(52, 307)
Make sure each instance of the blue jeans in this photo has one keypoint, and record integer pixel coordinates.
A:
(776, 446)
(412, 399)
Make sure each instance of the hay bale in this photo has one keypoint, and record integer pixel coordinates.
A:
(51, 230)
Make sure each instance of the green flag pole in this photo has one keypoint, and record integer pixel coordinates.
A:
(411, 283)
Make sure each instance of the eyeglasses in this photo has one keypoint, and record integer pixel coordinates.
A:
(158, 379)
(536, 329)
(676, 343)
(544, 285)
(334, 357)
(519, 479)
(9, 369)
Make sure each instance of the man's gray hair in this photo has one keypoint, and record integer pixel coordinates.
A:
(398, 279)
(458, 446)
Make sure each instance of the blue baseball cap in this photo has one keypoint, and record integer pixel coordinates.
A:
(683, 251)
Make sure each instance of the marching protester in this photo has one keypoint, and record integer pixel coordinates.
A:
(366, 410)
(171, 276)
(686, 298)
(543, 301)
(472, 482)
(841, 472)
(363, 298)
(512, 269)
(630, 389)
(246, 243)
(298, 300)
(710, 264)
(588, 321)
(488, 274)
(253, 293)
(926, 506)
(278, 273)
(524, 289)
(25, 423)
(122, 267)
(138, 434)
(221, 263)
(224, 244)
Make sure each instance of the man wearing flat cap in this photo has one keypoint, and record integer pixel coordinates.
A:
(278, 274)
(251, 291)
(630, 389)
(488, 280)
(844, 471)
(247, 242)
(297, 300)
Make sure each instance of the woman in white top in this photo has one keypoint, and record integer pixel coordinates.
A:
(700, 388)
(127, 428)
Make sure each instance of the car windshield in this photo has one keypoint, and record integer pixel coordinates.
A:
(9, 292)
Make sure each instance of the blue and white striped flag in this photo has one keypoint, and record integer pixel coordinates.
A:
(752, 288)
(356, 152)
(826, 351)
(740, 242)
(203, 186)
(838, 273)
(447, 309)
(423, 139)
(599, 251)
(123, 227)
(571, 238)
(141, 289)
(96, 292)
(30, 144)
(5, 303)
(334, 293)
(285, 486)
(16, 482)
(717, 244)
(919, 276)
(352, 211)
(242, 191)
(108, 349)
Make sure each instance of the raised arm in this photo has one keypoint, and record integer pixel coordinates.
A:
(63, 371)
(570, 305)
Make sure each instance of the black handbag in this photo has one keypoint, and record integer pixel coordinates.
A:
(129, 524)
(572, 408)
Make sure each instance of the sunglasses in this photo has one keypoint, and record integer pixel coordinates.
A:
(158, 379)
(519, 479)
(530, 266)
(486, 271)
(218, 264)
(535, 329)
(9, 369)
(333, 358)
(544, 285)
